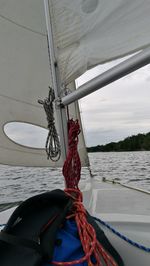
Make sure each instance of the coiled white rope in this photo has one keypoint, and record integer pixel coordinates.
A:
(52, 145)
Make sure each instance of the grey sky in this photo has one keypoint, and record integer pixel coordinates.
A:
(118, 110)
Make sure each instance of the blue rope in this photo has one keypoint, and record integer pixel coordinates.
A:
(133, 243)
(128, 240)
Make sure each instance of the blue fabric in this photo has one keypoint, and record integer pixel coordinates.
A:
(71, 248)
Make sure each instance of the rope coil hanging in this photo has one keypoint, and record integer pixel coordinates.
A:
(72, 165)
(71, 171)
(52, 145)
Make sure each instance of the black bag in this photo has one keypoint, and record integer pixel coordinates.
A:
(26, 239)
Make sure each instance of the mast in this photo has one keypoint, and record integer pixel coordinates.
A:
(61, 113)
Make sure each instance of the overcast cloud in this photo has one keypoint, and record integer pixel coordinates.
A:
(118, 110)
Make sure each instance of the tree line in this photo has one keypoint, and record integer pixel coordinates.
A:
(140, 142)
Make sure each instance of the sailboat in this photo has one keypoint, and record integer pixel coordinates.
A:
(52, 43)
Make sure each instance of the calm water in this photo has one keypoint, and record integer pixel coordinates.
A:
(18, 183)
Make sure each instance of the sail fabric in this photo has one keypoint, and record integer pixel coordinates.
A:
(91, 32)
(25, 76)
(85, 32)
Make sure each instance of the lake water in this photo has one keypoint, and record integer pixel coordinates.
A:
(18, 183)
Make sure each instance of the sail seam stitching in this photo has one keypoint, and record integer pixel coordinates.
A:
(20, 101)
(21, 26)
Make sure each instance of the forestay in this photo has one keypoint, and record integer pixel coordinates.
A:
(86, 33)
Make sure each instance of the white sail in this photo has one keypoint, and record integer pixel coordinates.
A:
(91, 32)
(24, 78)
(86, 33)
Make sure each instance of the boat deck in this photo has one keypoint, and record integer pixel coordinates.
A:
(123, 208)
(105, 197)
(127, 211)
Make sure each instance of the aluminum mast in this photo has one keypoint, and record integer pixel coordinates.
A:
(61, 114)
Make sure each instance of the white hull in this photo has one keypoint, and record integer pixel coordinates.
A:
(127, 211)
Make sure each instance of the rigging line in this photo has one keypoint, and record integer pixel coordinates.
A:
(78, 108)
(122, 236)
(22, 26)
(90, 171)
(20, 101)
(127, 186)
